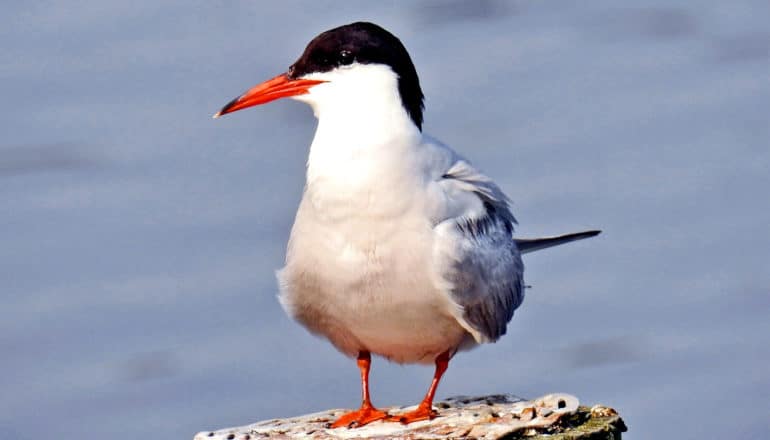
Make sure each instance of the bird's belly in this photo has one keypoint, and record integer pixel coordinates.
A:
(373, 294)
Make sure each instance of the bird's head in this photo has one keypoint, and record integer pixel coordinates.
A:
(350, 69)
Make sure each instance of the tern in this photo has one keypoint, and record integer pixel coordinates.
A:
(400, 247)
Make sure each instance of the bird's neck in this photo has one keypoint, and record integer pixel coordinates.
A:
(353, 150)
(359, 133)
(362, 165)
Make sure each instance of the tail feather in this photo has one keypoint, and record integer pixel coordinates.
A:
(527, 245)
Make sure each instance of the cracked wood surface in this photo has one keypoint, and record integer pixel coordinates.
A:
(483, 417)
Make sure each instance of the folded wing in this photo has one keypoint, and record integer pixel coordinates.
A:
(476, 259)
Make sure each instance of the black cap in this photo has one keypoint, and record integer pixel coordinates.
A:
(364, 43)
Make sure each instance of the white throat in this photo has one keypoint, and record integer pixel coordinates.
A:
(359, 113)
(365, 146)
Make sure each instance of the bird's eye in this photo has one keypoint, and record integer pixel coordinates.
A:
(346, 57)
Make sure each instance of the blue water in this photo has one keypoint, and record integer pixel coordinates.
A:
(138, 237)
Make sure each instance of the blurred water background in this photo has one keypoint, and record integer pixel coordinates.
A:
(138, 237)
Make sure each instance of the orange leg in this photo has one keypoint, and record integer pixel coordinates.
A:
(425, 410)
(367, 413)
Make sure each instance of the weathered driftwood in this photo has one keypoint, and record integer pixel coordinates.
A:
(555, 416)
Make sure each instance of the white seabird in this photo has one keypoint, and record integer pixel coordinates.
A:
(400, 246)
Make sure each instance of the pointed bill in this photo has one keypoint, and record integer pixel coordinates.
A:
(275, 88)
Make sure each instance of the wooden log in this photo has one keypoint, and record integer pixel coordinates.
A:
(500, 416)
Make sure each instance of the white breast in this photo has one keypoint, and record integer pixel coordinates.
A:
(358, 268)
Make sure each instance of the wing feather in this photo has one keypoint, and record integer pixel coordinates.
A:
(476, 256)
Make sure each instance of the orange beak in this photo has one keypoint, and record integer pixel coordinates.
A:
(279, 87)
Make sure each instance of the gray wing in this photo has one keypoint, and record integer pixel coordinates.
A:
(476, 256)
